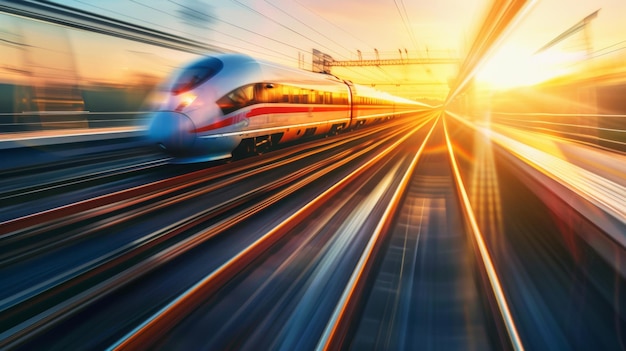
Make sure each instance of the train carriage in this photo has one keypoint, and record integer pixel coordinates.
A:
(230, 103)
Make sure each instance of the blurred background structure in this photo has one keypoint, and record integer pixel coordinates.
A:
(509, 187)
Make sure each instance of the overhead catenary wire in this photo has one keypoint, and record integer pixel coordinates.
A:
(405, 21)
(264, 49)
(244, 29)
(286, 27)
(332, 24)
(304, 24)
(339, 28)
(280, 24)
(235, 42)
(281, 54)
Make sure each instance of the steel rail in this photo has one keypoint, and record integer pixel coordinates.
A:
(490, 269)
(53, 218)
(334, 332)
(13, 239)
(45, 319)
(82, 179)
(143, 335)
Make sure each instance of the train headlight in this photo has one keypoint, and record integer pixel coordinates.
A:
(185, 100)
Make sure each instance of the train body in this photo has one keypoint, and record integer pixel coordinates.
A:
(230, 103)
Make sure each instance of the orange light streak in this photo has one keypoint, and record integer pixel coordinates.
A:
(484, 252)
(331, 331)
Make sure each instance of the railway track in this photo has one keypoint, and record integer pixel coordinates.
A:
(423, 288)
(299, 268)
(352, 243)
(306, 281)
(40, 227)
(560, 267)
(21, 190)
(37, 307)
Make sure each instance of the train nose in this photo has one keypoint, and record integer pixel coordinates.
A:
(172, 132)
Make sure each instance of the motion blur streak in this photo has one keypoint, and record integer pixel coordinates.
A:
(485, 190)
(341, 242)
(484, 253)
(598, 189)
(592, 174)
(328, 341)
(499, 19)
(539, 153)
(341, 222)
(146, 332)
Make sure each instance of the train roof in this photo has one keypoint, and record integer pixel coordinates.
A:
(252, 70)
(239, 69)
(366, 91)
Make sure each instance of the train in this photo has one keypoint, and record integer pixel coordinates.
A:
(226, 105)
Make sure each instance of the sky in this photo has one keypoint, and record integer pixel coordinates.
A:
(601, 42)
(286, 31)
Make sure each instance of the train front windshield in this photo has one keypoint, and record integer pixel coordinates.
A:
(196, 74)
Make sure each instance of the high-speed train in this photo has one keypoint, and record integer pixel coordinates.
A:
(222, 105)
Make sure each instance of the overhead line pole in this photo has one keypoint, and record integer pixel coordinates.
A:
(395, 62)
(571, 31)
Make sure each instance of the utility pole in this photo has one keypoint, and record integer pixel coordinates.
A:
(582, 25)
(585, 96)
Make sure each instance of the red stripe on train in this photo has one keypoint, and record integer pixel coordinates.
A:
(217, 125)
(265, 110)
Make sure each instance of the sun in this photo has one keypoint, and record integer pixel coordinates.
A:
(514, 67)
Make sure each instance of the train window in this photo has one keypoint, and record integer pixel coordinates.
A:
(237, 99)
(261, 94)
(276, 93)
(344, 98)
(196, 74)
(286, 94)
(268, 93)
